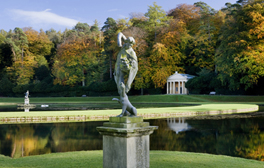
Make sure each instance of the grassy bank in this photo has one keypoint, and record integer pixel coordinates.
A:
(158, 159)
(143, 99)
(155, 107)
(51, 116)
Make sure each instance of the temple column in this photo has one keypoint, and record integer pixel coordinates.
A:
(173, 88)
(167, 87)
(170, 87)
(183, 88)
(186, 91)
(179, 83)
(181, 91)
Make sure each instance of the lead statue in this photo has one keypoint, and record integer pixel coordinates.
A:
(26, 95)
(126, 65)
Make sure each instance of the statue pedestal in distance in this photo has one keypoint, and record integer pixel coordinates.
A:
(26, 106)
(126, 142)
(26, 101)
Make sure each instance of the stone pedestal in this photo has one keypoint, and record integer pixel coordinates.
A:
(126, 142)
(26, 101)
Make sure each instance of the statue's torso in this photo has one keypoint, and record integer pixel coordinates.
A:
(125, 59)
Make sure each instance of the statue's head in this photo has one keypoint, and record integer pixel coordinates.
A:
(129, 42)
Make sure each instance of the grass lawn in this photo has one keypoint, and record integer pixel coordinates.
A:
(204, 109)
(158, 159)
(141, 99)
(206, 105)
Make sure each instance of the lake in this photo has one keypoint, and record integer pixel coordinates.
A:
(240, 135)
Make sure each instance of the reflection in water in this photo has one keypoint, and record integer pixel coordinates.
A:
(26, 108)
(242, 137)
(178, 125)
(18, 140)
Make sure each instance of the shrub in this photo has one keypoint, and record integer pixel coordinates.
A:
(6, 86)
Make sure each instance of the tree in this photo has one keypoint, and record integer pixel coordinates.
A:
(82, 29)
(73, 60)
(5, 54)
(189, 14)
(202, 46)
(206, 17)
(39, 45)
(110, 32)
(96, 33)
(156, 17)
(23, 61)
(54, 36)
(5, 86)
(240, 56)
(21, 40)
(138, 19)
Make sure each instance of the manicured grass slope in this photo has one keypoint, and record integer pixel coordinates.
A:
(146, 98)
(158, 159)
(200, 108)
(207, 104)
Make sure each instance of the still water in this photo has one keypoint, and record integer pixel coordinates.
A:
(233, 135)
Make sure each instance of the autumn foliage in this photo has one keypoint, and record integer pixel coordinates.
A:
(192, 39)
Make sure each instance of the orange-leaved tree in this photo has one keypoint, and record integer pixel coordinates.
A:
(74, 60)
(167, 54)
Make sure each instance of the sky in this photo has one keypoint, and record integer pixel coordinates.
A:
(62, 14)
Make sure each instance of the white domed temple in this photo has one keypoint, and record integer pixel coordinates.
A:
(178, 125)
(176, 83)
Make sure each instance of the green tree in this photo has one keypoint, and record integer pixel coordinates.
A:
(5, 53)
(157, 17)
(240, 57)
(202, 46)
(56, 38)
(75, 59)
(5, 86)
(206, 18)
(21, 69)
(110, 32)
(82, 29)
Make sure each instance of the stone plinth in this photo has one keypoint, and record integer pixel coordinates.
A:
(26, 101)
(126, 142)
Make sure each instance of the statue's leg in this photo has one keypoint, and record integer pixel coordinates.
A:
(121, 91)
(131, 76)
(119, 78)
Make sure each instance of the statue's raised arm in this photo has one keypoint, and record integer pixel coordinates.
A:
(120, 36)
(126, 64)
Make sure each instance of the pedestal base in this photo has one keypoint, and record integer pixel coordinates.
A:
(126, 142)
(26, 101)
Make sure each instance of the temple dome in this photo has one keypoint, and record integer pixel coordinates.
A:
(179, 77)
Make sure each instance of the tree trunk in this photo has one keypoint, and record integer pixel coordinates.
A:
(110, 62)
(22, 58)
(14, 149)
(83, 81)
(13, 53)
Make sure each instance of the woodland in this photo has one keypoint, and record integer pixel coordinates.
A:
(222, 48)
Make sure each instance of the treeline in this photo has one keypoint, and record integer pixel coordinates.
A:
(224, 49)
